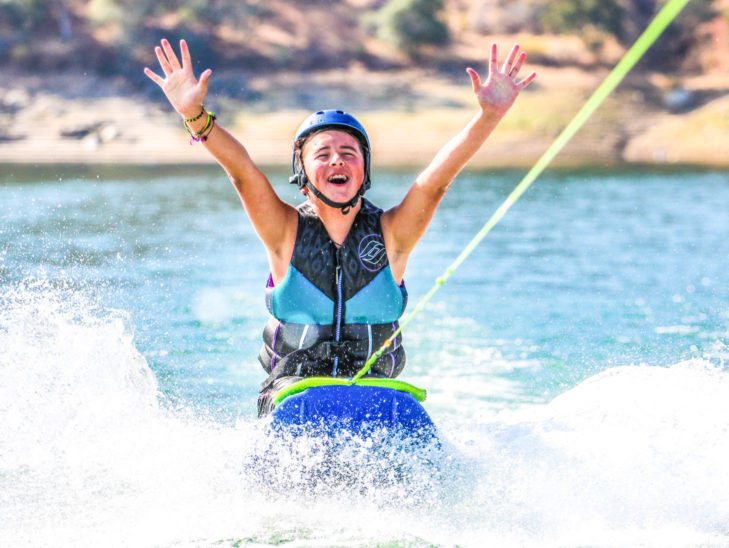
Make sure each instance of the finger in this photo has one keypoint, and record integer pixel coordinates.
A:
(203, 82)
(475, 79)
(156, 78)
(493, 63)
(525, 82)
(166, 68)
(517, 66)
(170, 53)
(185, 53)
(510, 59)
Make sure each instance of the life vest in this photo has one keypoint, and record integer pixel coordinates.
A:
(334, 306)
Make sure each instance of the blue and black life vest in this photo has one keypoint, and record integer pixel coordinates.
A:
(335, 306)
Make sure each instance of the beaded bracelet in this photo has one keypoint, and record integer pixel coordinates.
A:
(196, 117)
(203, 134)
(209, 129)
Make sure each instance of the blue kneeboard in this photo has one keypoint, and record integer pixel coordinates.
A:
(354, 408)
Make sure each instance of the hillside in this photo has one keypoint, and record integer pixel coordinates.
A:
(79, 94)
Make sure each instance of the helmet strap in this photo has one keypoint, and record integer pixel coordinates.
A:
(300, 179)
(344, 206)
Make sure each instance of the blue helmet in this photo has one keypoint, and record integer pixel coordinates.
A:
(325, 119)
(331, 119)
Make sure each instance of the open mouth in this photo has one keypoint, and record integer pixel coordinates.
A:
(338, 179)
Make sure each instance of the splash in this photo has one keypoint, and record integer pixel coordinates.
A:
(632, 455)
(64, 370)
(92, 454)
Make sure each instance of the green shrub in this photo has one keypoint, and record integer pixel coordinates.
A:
(410, 24)
(677, 41)
(25, 15)
(570, 16)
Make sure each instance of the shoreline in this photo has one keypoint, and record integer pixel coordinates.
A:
(13, 173)
(41, 126)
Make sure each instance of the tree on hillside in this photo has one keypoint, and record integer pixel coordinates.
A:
(135, 24)
(625, 20)
(410, 24)
(672, 50)
(567, 16)
(26, 17)
(131, 13)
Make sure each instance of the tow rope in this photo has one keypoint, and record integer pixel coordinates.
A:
(664, 17)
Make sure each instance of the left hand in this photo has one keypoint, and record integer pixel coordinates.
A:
(501, 88)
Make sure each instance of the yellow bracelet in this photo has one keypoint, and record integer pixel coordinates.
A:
(201, 135)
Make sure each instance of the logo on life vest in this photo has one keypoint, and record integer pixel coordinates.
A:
(372, 252)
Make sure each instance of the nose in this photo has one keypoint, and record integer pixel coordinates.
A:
(336, 160)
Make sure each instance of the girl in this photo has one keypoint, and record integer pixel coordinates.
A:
(337, 262)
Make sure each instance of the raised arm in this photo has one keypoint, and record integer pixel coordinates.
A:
(273, 219)
(405, 224)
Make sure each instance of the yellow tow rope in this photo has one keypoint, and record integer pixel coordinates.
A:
(664, 17)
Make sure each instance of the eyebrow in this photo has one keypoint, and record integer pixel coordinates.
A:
(327, 147)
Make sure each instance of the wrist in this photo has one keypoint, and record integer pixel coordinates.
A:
(200, 126)
(490, 114)
(193, 115)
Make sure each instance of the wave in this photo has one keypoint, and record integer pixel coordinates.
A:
(635, 454)
(92, 454)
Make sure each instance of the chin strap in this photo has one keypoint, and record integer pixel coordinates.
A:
(302, 181)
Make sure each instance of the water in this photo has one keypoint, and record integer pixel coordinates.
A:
(575, 367)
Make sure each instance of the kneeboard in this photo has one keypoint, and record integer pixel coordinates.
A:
(353, 407)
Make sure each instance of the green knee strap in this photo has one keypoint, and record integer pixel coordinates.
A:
(312, 382)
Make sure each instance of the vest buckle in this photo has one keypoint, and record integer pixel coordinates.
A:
(333, 349)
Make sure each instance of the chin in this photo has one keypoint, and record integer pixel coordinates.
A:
(339, 194)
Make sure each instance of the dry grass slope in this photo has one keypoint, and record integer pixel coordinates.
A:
(410, 108)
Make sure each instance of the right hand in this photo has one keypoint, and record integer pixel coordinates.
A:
(184, 92)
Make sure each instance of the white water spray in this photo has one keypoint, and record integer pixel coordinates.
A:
(92, 454)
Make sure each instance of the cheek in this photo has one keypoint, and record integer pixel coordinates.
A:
(315, 169)
(360, 169)
(311, 167)
(356, 164)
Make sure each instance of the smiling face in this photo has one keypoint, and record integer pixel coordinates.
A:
(334, 164)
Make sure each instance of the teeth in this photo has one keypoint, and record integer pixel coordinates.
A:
(338, 179)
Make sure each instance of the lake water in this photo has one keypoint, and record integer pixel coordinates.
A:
(575, 367)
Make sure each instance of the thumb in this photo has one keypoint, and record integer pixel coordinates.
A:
(475, 79)
(203, 82)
